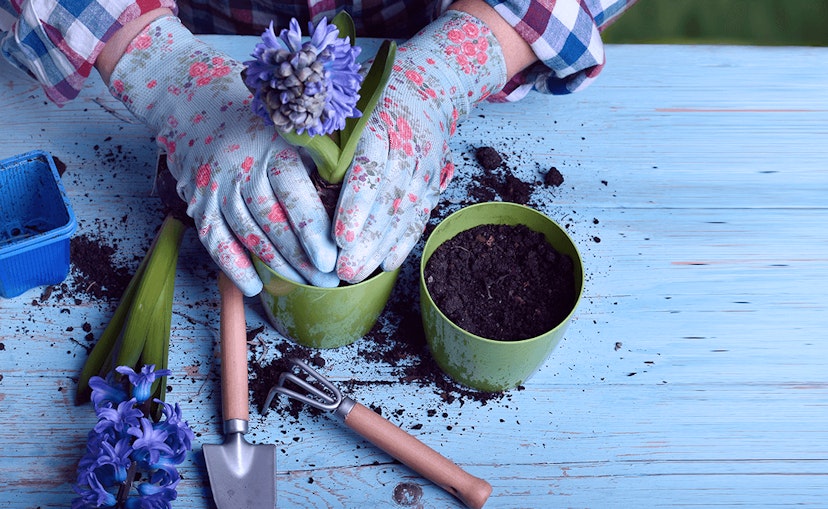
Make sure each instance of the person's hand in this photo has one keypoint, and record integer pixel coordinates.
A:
(403, 162)
(245, 187)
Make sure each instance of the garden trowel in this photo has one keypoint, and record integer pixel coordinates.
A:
(242, 475)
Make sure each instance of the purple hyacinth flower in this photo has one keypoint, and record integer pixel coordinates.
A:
(126, 446)
(154, 495)
(118, 419)
(180, 436)
(93, 495)
(150, 442)
(114, 459)
(143, 380)
(105, 392)
(308, 86)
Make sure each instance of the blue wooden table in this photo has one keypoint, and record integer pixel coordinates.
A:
(695, 373)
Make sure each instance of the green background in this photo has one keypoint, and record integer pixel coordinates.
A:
(752, 22)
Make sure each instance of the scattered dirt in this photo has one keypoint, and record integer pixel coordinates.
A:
(266, 375)
(397, 341)
(165, 187)
(498, 181)
(94, 274)
(328, 193)
(404, 350)
(60, 166)
(94, 271)
(501, 184)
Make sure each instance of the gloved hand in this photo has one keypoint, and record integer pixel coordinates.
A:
(403, 161)
(245, 187)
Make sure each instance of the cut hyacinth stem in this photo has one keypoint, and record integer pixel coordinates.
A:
(103, 357)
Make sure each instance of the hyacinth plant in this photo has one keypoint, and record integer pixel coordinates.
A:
(131, 457)
(139, 331)
(313, 92)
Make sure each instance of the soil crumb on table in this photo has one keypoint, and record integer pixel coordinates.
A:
(553, 177)
(488, 157)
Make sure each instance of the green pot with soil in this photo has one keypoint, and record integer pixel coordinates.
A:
(499, 283)
(323, 317)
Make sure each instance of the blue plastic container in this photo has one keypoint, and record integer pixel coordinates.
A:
(36, 223)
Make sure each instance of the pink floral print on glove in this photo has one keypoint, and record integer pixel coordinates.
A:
(403, 161)
(245, 188)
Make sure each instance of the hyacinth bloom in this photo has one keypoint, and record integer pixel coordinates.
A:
(142, 380)
(312, 90)
(308, 86)
(128, 444)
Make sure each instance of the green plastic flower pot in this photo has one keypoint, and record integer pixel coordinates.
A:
(478, 362)
(323, 317)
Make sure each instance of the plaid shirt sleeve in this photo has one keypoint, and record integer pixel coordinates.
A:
(566, 37)
(57, 41)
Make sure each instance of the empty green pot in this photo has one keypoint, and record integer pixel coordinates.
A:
(323, 317)
(481, 363)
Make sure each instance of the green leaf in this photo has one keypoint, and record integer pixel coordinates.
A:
(345, 23)
(96, 362)
(372, 88)
(157, 345)
(148, 300)
(347, 30)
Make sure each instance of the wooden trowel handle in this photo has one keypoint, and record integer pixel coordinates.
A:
(421, 458)
(234, 395)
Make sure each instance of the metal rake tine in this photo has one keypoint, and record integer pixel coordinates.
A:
(328, 402)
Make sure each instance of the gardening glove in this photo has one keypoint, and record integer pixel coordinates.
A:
(245, 187)
(402, 161)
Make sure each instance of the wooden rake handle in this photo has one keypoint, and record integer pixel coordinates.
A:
(421, 458)
(234, 395)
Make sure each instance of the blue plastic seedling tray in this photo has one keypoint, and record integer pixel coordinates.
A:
(36, 223)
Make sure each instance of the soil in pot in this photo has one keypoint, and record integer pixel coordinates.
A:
(502, 282)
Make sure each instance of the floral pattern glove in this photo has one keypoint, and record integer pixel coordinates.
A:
(245, 187)
(403, 161)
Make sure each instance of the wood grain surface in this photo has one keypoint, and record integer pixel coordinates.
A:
(693, 375)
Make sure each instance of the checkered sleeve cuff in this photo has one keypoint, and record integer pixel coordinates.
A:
(566, 37)
(57, 41)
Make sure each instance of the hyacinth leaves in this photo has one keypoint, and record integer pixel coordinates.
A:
(325, 118)
(139, 331)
